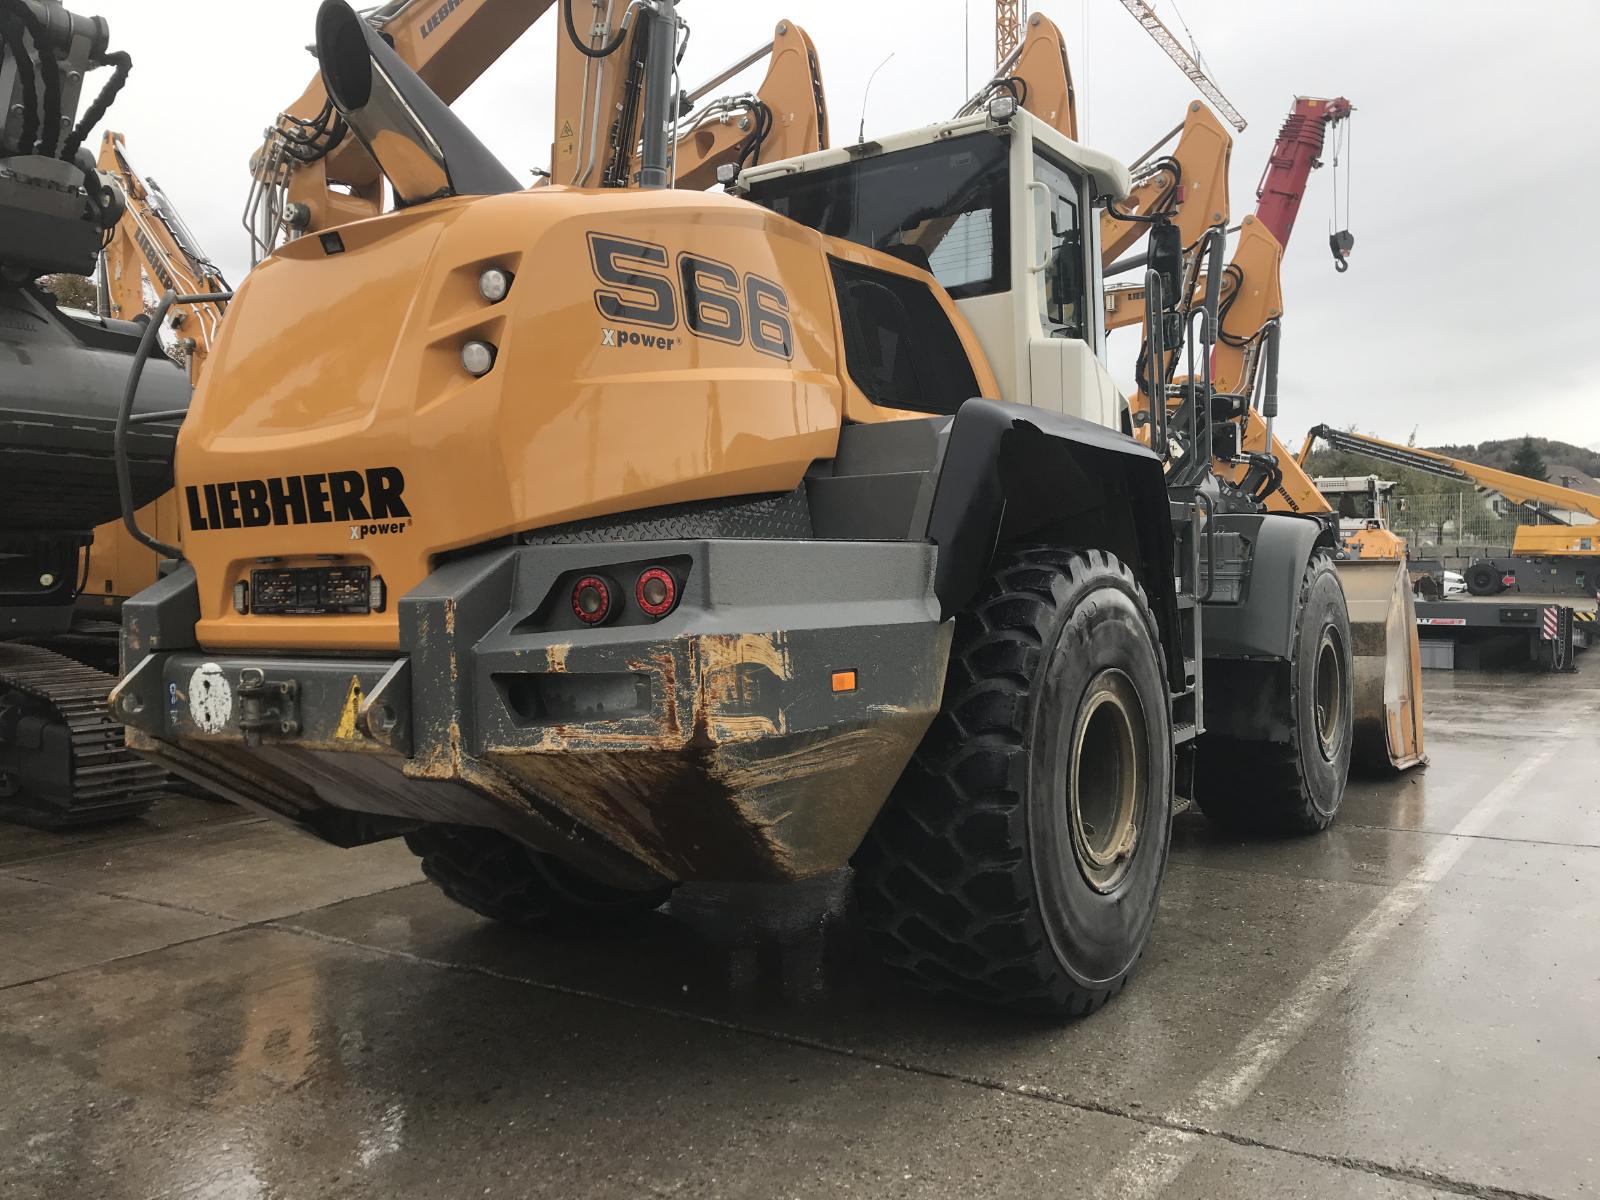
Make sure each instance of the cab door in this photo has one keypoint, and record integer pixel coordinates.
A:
(1065, 330)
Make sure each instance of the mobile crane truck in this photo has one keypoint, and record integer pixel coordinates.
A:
(621, 539)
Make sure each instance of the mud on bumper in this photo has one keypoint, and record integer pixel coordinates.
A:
(713, 744)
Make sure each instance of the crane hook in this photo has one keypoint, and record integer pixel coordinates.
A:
(1341, 244)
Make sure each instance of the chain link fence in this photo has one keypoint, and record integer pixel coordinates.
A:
(1437, 525)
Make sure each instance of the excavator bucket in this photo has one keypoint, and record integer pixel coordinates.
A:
(1388, 663)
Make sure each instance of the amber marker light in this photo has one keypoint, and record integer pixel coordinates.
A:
(844, 681)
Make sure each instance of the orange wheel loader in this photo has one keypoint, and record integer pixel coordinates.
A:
(608, 541)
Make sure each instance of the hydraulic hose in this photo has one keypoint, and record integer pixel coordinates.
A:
(11, 38)
(605, 51)
(49, 129)
(123, 64)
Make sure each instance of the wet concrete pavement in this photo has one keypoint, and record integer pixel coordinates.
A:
(203, 1005)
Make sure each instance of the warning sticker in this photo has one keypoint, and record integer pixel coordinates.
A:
(210, 698)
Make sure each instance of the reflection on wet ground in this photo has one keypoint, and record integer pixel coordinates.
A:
(201, 1004)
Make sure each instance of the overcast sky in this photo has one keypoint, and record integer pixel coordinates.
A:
(1473, 161)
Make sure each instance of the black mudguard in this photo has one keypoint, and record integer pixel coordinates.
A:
(1014, 475)
(1246, 646)
(1261, 625)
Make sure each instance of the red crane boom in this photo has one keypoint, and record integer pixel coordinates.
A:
(1295, 154)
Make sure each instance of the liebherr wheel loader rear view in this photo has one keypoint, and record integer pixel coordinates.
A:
(62, 758)
(621, 539)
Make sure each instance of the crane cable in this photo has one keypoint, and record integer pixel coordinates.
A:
(1339, 239)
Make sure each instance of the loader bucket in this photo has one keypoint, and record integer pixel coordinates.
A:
(1388, 663)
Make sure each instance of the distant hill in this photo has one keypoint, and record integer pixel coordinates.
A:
(1581, 462)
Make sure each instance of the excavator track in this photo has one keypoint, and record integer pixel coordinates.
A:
(63, 761)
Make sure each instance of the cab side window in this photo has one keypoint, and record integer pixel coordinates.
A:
(1063, 284)
(900, 347)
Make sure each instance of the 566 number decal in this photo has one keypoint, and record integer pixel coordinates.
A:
(713, 299)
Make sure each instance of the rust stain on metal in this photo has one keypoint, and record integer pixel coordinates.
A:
(438, 761)
(556, 657)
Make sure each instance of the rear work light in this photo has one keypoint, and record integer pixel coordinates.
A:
(494, 285)
(656, 592)
(477, 358)
(592, 601)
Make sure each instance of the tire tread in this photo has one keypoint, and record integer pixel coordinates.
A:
(963, 920)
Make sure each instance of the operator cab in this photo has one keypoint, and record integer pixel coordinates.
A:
(1000, 209)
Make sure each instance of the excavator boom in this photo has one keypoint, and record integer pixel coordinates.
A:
(151, 242)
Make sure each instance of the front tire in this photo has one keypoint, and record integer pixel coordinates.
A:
(1294, 786)
(498, 877)
(1019, 860)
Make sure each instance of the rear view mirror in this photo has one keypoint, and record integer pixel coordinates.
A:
(1166, 260)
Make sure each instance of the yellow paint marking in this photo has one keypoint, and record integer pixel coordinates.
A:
(347, 731)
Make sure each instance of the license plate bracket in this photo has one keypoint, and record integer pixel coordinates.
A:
(311, 591)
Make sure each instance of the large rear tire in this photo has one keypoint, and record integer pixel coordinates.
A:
(1294, 786)
(498, 877)
(1019, 860)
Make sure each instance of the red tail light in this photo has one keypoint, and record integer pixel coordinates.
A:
(592, 600)
(656, 592)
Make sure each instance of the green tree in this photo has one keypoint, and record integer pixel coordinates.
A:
(1529, 462)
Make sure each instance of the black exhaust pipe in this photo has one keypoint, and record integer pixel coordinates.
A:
(418, 143)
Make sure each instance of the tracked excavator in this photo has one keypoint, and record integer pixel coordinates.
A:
(1259, 472)
(62, 757)
(632, 538)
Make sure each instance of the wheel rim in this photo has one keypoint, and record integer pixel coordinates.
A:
(1109, 781)
(1328, 693)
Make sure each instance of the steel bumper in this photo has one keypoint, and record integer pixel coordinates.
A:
(723, 742)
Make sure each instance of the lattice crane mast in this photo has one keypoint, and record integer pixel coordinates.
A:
(1009, 16)
(1164, 37)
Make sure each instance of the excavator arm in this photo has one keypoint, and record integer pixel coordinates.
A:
(1038, 76)
(1189, 186)
(309, 176)
(601, 74)
(151, 242)
(786, 117)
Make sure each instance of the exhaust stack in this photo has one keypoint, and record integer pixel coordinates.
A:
(418, 143)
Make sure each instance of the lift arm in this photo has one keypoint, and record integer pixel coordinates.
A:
(151, 241)
(1518, 489)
